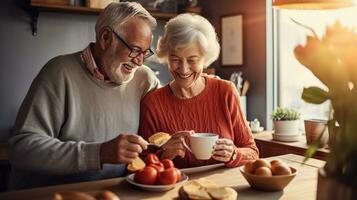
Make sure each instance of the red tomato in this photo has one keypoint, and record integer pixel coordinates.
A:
(151, 158)
(147, 176)
(167, 177)
(158, 166)
(178, 174)
(168, 163)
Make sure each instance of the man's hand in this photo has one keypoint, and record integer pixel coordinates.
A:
(122, 149)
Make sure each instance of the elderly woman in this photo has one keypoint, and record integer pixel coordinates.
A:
(195, 102)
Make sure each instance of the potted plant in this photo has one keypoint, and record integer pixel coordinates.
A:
(332, 59)
(286, 121)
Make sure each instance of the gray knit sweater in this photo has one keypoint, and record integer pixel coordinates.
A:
(64, 118)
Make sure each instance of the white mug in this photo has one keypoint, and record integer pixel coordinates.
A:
(201, 144)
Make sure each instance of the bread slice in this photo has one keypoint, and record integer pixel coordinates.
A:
(206, 189)
(194, 190)
(136, 165)
(222, 193)
(159, 138)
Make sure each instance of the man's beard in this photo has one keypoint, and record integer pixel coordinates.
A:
(122, 73)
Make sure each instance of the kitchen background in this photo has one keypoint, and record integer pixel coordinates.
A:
(23, 55)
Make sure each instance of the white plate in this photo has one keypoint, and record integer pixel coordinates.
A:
(286, 137)
(156, 188)
(201, 168)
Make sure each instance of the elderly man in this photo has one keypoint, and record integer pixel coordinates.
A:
(80, 117)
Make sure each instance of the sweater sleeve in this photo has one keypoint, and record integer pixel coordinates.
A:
(35, 144)
(147, 125)
(245, 146)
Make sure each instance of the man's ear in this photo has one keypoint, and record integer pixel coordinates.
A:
(105, 38)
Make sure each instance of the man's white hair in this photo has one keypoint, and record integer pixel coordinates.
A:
(117, 14)
(186, 29)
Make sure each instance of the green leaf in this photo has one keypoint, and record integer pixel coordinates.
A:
(310, 151)
(285, 114)
(314, 95)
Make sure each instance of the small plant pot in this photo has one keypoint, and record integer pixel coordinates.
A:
(290, 127)
(313, 129)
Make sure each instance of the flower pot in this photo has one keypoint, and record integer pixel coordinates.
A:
(329, 188)
(313, 130)
(290, 127)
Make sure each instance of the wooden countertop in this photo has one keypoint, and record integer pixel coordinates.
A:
(303, 186)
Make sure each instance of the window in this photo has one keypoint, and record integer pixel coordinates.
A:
(292, 77)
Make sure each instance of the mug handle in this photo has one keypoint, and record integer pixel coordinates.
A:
(185, 144)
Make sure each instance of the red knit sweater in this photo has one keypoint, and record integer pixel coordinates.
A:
(216, 110)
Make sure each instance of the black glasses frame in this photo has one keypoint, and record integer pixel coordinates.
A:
(134, 52)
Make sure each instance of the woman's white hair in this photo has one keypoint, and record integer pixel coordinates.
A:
(186, 29)
(117, 14)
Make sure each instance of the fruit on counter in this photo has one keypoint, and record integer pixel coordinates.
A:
(274, 162)
(158, 166)
(159, 138)
(280, 169)
(167, 177)
(248, 167)
(157, 172)
(136, 165)
(263, 171)
(179, 174)
(260, 163)
(168, 163)
(147, 176)
(263, 167)
(151, 158)
(107, 195)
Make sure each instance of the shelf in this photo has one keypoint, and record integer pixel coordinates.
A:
(65, 8)
(38, 7)
(269, 147)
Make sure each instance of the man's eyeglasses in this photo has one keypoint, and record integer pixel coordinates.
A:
(134, 51)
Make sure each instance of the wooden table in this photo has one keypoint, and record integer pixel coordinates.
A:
(303, 186)
(269, 147)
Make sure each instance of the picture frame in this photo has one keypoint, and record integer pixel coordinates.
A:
(232, 40)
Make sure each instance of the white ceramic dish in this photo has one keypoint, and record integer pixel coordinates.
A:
(286, 137)
(260, 129)
(156, 188)
(201, 169)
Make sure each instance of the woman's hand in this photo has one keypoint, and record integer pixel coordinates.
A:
(223, 150)
(174, 146)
